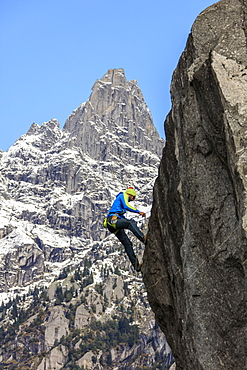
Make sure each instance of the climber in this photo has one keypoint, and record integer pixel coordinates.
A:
(116, 223)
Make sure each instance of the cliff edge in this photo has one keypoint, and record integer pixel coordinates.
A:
(194, 259)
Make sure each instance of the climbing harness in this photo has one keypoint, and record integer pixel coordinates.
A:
(110, 224)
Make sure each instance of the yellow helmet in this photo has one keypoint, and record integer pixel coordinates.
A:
(131, 191)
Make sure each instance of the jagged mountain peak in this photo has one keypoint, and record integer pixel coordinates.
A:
(38, 139)
(114, 116)
(116, 77)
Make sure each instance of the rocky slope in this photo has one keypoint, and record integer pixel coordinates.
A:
(194, 261)
(69, 295)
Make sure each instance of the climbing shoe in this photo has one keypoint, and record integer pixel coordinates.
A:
(144, 240)
(138, 267)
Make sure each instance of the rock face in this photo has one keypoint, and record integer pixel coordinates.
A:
(194, 260)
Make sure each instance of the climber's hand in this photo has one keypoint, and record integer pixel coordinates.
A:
(143, 214)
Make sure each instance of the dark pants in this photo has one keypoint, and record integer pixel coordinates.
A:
(121, 224)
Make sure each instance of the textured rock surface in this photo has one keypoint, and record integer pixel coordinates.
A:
(194, 260)
(21, 260)
(56, 359)
(56, 326)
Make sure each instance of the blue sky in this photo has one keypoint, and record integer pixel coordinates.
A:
(52, 52)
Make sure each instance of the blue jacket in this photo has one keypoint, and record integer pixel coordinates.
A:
(121, 205)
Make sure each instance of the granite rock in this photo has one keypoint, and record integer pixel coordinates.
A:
(194, 261)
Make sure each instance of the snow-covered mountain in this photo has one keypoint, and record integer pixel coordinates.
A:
(56, 187)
